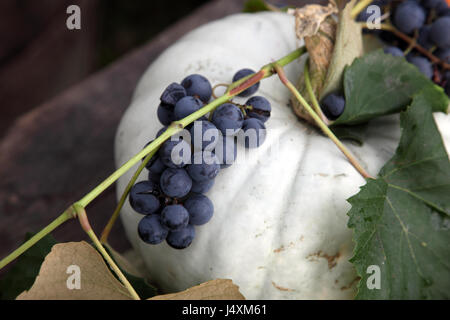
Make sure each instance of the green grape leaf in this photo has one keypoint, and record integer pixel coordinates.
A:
(22, 275)
(400, 221)
(378, 84)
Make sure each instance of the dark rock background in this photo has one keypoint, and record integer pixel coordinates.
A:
(36, 45)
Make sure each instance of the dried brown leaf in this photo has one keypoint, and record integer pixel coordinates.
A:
(335, 45)
(320, 50)
(309, 18)
(219, 289)
(97, 281)
(348, 46)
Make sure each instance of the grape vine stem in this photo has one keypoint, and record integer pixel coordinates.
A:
(233, 90)
(281, 74)
(412, 43)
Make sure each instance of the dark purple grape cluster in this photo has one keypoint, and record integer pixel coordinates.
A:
(428, 22)
(185, 166)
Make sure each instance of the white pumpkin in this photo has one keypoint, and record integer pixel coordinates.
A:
(279, 229)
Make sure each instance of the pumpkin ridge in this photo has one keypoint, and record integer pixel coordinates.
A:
(286, 204)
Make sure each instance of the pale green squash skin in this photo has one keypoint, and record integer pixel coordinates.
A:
(279, 230)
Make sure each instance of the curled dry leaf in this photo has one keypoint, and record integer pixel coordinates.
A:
(320, 49)
(334, 46)
(309, 18)
(219, 289)
(96, 280)
(347, 47)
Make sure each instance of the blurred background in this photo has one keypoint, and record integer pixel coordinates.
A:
(39, 57)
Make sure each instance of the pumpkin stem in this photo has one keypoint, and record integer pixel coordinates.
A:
(280, 71)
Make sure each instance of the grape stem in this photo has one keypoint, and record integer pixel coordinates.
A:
(412, 42)
(279, 69)
(360, 7)
(218, 85)
(233, 90)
